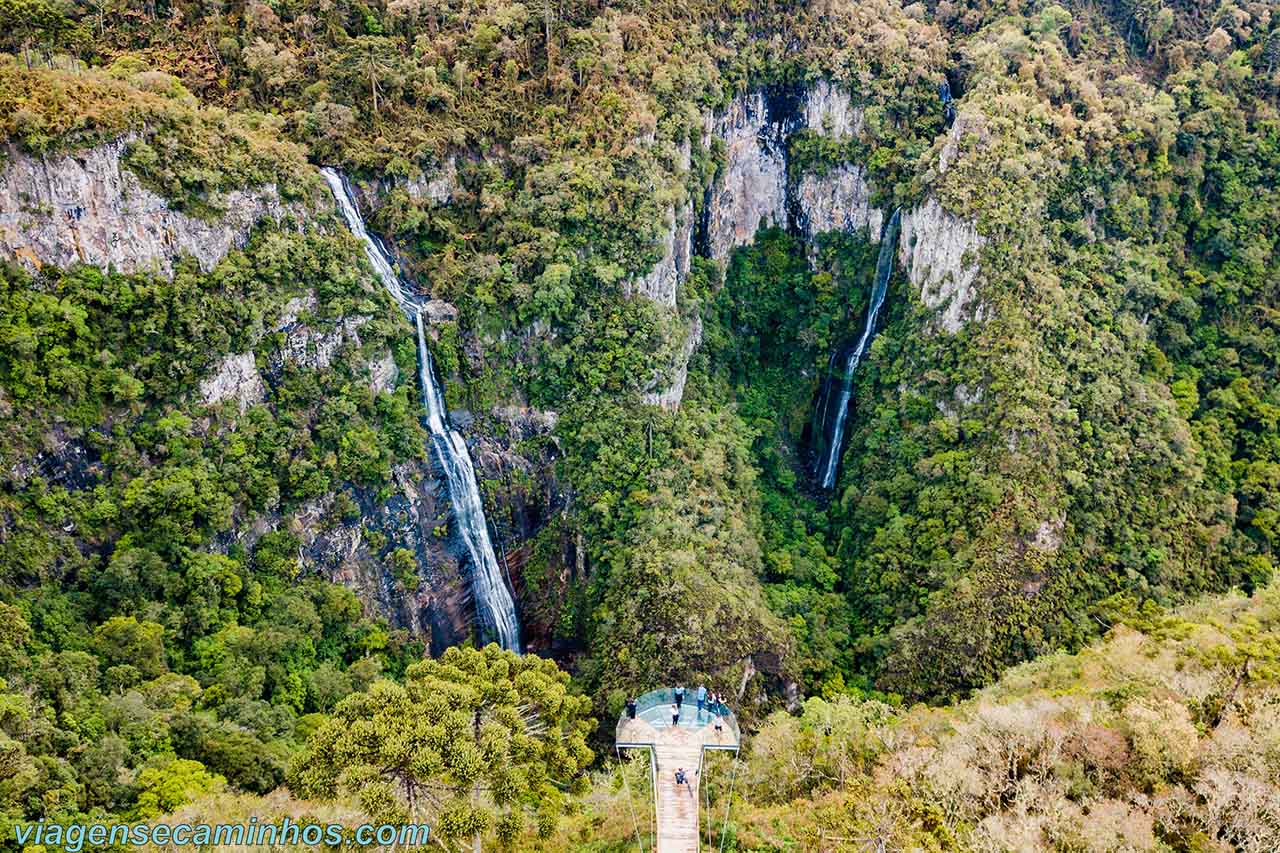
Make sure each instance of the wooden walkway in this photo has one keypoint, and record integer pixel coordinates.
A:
(678, 804)
(674, 748)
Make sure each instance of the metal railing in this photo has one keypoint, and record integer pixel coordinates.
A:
(666, 696)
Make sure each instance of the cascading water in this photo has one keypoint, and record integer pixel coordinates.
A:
(884, 268)
(494, 605)
(948, 102)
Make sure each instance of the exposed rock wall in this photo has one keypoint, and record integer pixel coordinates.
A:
(669, 395)
(829, 110)
(357, 553)
(939, 253)
(235, 378)
(87, 207)
(839, 200)
(433, 186)
(662, 283)
(751, 189)
(437, 187)
(754, 189)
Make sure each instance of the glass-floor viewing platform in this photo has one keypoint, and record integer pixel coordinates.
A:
(677, 743)
(654, 723)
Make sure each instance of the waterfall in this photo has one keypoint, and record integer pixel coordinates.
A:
(879, 287)
(948, 102)
(494, 605)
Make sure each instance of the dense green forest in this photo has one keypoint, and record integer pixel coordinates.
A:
(1097, 445)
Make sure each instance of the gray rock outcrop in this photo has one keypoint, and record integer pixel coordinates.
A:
(383, 373)
(829, 110)
(437, 187)
(235, 378)
(839, 200)
(662, 283)
(751, 190)
(357, 552)
(315, 348)
(939, 253)
(87, 207)
(668, 396)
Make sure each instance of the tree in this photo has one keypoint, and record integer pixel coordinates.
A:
(36, 21)
(371, 61)
(126, 641)
(173, 784)
(476, 741)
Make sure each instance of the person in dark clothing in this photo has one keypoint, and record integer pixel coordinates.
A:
(679, 696)
(675, 715)
(631, 709)
(681, 779)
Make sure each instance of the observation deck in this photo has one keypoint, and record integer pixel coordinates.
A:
(674, 747)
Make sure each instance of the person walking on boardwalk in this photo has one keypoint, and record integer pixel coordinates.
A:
(702, 698)
(675, 715)
(682, 779)
(679, 691)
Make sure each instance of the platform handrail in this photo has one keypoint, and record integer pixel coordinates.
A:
(667, 696)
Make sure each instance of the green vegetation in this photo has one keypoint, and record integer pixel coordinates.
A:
(472, 743)
(1098, 443)
(142, 662)
(1162, 736)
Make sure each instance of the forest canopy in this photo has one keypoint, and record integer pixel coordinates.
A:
(1097, 440)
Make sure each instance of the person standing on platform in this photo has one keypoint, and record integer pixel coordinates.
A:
(679, 691)
(675, 715)
(702, 698)
(631, 709)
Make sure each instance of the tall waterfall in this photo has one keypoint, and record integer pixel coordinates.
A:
(494, 605)
(884, 268)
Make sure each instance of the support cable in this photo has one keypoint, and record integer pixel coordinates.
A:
(635, 821)
(724, 830)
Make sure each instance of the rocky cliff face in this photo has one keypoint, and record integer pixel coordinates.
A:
(355, 552)
(356, 549)
(662, 285)
(939, 253)
(87, 207)
(754, 189)
(839, 200)
(751, 189)
(939, 250)
(830, 111)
